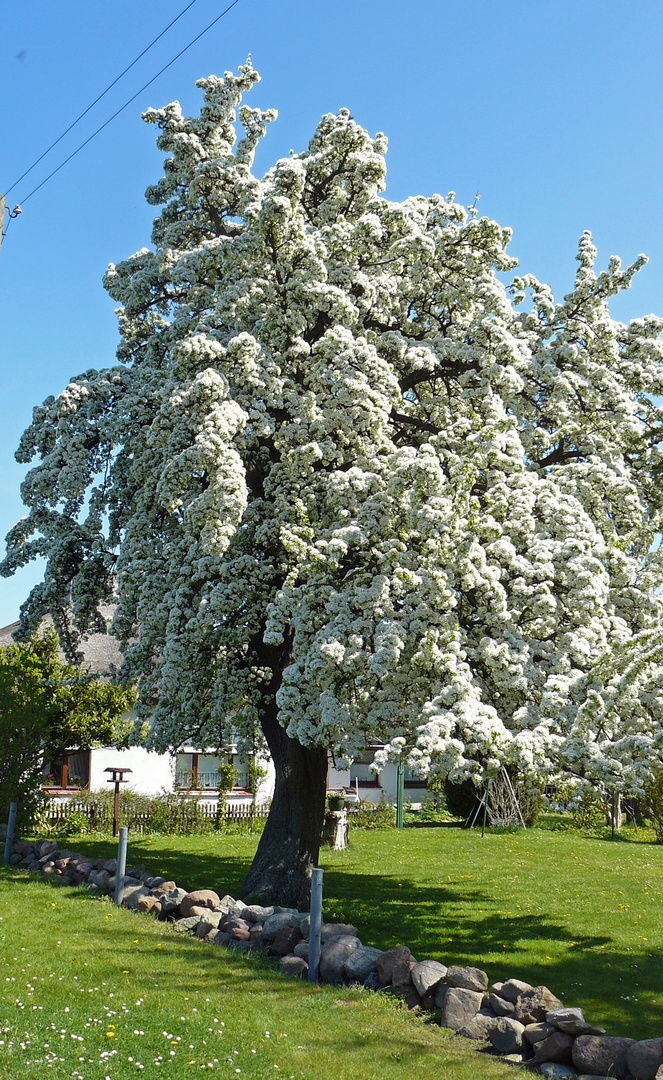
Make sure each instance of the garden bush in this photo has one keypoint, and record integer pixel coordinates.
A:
(168, 814)
(380, 815)
(461, 797)
(653, 805)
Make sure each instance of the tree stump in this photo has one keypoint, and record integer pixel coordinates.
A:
(335, 829)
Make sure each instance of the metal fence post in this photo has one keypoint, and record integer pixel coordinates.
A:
(10, 830)
(316, 924)
(485, 808)
(121, 864)
(400, 794)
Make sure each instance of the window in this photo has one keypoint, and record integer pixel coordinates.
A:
(200, 772)
(186, 777)
(411, 780)
(71, 771)
(361, 771)
(208, 772)
(241, 767)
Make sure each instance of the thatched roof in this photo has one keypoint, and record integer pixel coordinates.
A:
(100, 651)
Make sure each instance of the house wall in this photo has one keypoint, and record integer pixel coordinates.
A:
(387, 783)
(150, 772)
(266, 786)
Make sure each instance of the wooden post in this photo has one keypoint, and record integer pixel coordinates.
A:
(117, 778)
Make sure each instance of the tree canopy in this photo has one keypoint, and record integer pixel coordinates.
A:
(351, 480)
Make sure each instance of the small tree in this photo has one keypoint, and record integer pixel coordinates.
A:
(47, 706)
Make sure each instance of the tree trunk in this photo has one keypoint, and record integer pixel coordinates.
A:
(289, 846)
(614, 814)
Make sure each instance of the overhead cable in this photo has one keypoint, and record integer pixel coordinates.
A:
(101, 95)
(127, 103)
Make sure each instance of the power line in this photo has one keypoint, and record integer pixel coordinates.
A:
(101, 95)
(127, 103)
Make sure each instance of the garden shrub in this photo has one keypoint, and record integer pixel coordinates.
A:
(380, 815)
(589, 810)
(461, 797)
(530, 799)
(653, 804)
(168, 814)
(77, 823)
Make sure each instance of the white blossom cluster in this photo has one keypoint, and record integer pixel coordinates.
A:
(341, 466)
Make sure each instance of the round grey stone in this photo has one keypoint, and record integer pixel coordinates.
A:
(427, 976)
(513, 988)
(500, 1005)
(602, 1055)
(294, 966)
(334, 955)
(506, 1035)
(644, 1058)
(361, 963)
(458, 1006)
(467, 978)
(477, 1029)
(273, 924)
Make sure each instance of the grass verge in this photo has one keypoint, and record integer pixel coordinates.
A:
(92, 992)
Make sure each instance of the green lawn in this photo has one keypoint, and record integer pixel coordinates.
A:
(92, 992)
(578, 913)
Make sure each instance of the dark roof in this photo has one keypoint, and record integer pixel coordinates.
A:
(100, 651)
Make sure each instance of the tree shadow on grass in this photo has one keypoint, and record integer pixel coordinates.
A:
(619, 989)
(198, 868)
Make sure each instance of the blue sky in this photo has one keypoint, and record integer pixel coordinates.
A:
(551, 110)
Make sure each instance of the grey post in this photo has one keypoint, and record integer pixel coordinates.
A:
(400, 793)
(485, 807)
(10, 831)
(316, 923)
(121, 864)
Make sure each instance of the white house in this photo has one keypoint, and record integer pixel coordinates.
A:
(194, 770)
(371, 786)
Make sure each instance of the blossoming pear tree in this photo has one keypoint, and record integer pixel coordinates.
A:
(348, 487)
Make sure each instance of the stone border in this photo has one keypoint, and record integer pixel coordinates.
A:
(521, 1024)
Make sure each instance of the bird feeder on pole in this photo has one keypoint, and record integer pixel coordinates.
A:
(117, 778)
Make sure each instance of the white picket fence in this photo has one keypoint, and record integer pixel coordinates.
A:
(56, 811)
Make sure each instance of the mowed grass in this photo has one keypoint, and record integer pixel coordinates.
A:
(92, 992)
(580, 914)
